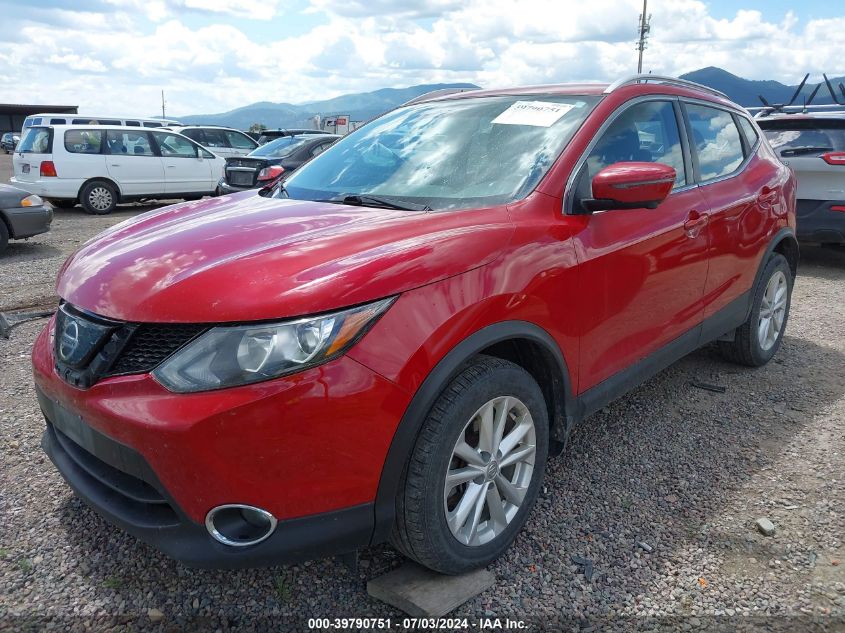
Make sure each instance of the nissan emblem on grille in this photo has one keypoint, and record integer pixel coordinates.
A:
(68, 340)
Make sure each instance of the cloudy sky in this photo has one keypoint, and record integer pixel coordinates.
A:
(115, 56)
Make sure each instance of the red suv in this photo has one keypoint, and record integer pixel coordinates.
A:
(391, 343)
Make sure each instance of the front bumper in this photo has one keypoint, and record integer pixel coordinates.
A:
(819, 222)
(28, 221)
(308, 448)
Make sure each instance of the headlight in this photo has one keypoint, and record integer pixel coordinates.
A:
(244, 354)
(32, 201)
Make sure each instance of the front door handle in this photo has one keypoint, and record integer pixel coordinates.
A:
(695, 222)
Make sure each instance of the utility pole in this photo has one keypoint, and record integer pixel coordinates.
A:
(645, 29)
(163, 116)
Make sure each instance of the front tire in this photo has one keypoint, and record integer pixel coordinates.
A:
(475, 469)
(98, 197)
(758, 339)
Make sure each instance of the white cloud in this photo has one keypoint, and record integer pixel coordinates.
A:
(118, 58)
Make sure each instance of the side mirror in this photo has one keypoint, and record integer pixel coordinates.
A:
(631, 186)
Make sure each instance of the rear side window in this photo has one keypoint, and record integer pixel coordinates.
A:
(152, 124)
(214, 138)
(716, 141)
(133, 124)
(58, 121)
(805, 137)
(751, 135)
(37, 140)
(129, 143)
(240, 141)
(84, 141)
(174, 145)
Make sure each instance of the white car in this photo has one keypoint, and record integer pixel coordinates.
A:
(102, 165)
(223, 141)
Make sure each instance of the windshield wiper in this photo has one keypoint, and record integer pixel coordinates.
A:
(376, 201)
(797, 151)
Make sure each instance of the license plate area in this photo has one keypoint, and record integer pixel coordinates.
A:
(241, 178)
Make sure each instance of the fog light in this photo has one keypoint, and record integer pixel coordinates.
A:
(239, 525)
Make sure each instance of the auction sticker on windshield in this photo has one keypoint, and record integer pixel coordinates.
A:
(537, 113)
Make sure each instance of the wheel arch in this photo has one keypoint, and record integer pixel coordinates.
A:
(785, 243)
(520, 342)
(99, 179)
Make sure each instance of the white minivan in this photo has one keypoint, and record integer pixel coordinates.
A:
(100, 166)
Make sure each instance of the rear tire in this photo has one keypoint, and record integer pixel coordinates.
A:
(98, 197)
(4, 236)
(468, 523)
(758, 339)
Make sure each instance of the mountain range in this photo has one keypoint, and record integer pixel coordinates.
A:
(365, 105)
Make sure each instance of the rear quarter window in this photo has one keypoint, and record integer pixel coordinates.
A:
(37, 140)
(84, 141)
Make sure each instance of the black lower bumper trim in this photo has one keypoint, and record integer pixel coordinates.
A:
(167, 528)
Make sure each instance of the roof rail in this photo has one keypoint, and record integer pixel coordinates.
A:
(672, 81)
(764, 111)
(442, 92)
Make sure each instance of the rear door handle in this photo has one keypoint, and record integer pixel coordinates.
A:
(695, 222)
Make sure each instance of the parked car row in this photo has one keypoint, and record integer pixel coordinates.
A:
(99, 166)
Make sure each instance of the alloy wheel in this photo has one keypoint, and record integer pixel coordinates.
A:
(772, 310)
(489, 471)
(100, 198)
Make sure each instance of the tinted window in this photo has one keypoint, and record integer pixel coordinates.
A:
(240, 141)
(152, 124)
(173, 145)
(284, 146)
(645, 132)
(130, 143)
(715, 138)
(215, 138)
(751, 135)
(37, 140)
(133, 123)
(805, 137)
(57, 121)
(319, 149)
(84, 141)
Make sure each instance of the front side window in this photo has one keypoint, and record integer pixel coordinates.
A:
(37, 140)
(174, 145)
(645, 132)
(716, 141)
(129, 143)
(240, 141)
(453, 154)
(84, 141)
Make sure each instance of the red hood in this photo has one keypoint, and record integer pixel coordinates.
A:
(246, 258)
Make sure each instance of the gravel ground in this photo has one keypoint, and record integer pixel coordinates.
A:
(660, 491)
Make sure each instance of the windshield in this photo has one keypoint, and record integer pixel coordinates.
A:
(36, 140)
(453, 154)
(284, 146)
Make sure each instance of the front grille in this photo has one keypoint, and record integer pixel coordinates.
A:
(151, 344)
(88, 347)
